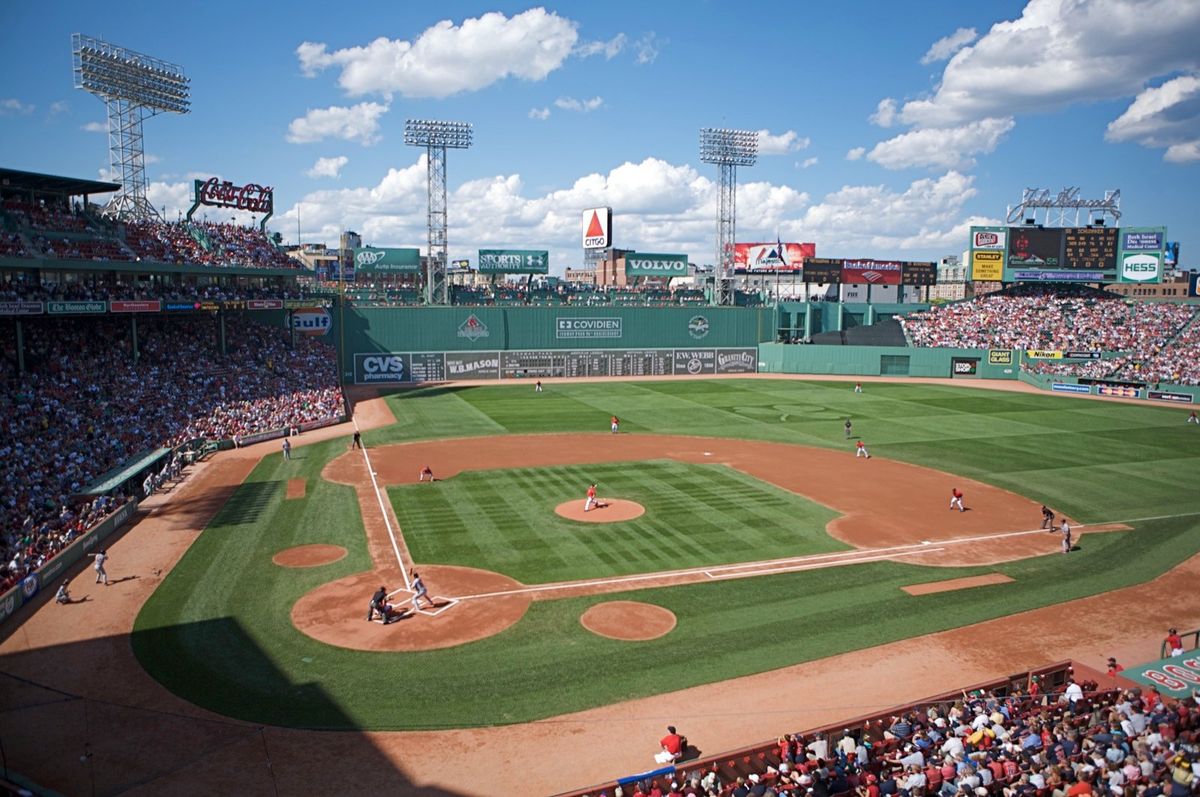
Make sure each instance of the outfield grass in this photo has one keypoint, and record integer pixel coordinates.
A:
(217, 631)
(695, 515)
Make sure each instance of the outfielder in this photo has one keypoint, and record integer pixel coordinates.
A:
(615, 424)
(956, 498)
(591, 498)
(861, 450)
(1193, 419)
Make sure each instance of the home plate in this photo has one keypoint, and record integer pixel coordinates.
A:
(926, 542)
(708, 453)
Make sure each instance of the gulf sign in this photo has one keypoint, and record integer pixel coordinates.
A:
(597, 228)
(871, 272)
(311, 321)
(771, 257)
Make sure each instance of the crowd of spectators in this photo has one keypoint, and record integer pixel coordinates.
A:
(1154, 339)
(45, 216)
(105, 289)
(85, 406)
(95, 249)
(11, 245)
(205, 243)
(1080, 742)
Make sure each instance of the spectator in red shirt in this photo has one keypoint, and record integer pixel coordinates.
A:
(672, 747)
(1174, 643)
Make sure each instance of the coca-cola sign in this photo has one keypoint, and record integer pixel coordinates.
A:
(251, 197)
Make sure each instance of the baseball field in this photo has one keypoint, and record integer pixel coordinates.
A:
(763, 539)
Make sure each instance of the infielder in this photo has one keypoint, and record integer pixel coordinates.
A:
(956, 500)
(98, 566)
(426, 473)
(537, 386)
(287, 448)
(861, 450)
(420, 591)
(858, 387)
(1193, 419)
(615, 424)
(1066, 536)
(591, 498)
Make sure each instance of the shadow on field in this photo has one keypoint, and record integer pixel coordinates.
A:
(70, 722)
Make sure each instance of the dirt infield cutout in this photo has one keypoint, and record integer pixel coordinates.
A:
(309, 555)
(949, 585)
(295, 488)
(629, 621)
(609, 510)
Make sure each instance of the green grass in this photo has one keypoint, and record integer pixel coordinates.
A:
(695, 515)
(218, 632)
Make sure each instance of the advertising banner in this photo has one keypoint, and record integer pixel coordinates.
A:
(597, 228)
(380, 369)
(1082, 355)
(1142, 240)
(737, 361)
(960, 366)
(570, 327)
(176, 307)
(1140, 267)
(1122, 392)
(66, 308)
(772, 257)
(135, 307)
(1063, 387)
(376, 260)
(987, 266)
(1167, 395)
(1043, 354)
(1000, 357)
(994, 238)
(1194, 284)
(264, 304)
(472, 365)
(871, 272)
(693, 363)
(311, 321)
(20, 308)
(514, 261)
(1058, 276)
(646, 264)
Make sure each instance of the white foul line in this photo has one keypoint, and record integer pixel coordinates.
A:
(816, 565)
(383, 509)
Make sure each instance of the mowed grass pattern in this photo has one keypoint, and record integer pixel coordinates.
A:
(218, 630)
(695, 515)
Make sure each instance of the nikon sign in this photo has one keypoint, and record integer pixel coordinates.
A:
(372, 260)
(514, 261)
(639, 264)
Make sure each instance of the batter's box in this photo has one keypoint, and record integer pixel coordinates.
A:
(440, 603)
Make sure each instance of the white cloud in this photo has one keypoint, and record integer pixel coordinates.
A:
(14, 107)
(808, 162)
(581, 106)
(944, 148)
(885, 113)
(447, 59)
(95, 127)
(856, 153)
(947, 46)
(328, 167)
(356, 123)
(150, 159)
(58, 107)
(785, 142)
(648, 47)
(1059, 53)
(1163, 116)
(609, 49)
(541, 114)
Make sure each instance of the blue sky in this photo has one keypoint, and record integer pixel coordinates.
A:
(890, 127)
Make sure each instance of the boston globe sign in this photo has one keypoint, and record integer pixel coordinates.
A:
(645, 264)
(378, 260)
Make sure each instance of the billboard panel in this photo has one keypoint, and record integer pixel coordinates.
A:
(871, 272)
(823, 270)
(1194, 284)
(645, 264)
(1035, 247)
(772, 257)
(1142, 239)
(1140, 267)
(989, 238)
(987, 266)
(1090, 248)
(1171, 256)
(514, 261)
(379, 260)
(597, 228)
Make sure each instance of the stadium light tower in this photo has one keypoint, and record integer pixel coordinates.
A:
(133, 86)
(436, 138)
(728, 149)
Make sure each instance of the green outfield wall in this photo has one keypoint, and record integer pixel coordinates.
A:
(781, 358)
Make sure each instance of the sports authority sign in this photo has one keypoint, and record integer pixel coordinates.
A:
(597, 228)
(514, 261)
(379, 260)
(645, 264)
(574, 328)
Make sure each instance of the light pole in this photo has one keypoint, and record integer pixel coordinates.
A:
(728, 149)
(436, 138)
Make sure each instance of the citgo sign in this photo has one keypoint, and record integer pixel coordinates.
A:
(311, 321)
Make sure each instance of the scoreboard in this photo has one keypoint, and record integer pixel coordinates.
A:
(1090, 248)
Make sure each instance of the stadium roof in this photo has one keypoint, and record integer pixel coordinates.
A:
(12, 179)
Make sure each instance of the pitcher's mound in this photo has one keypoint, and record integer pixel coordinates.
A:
(611, 510)
(628, 620)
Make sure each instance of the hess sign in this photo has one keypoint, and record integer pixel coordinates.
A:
(251, 197)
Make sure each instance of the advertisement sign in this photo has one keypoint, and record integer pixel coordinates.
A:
(597, 228)
(1082, 355)
(514, 261)
(264, 304)
(646, 264)
(567, 328)
(1142, 240)
(987, 266)
(378, 369)
(1122, 392)
(1171, 254)
(1000, 357)
(1194, 284)
(378, 260)
(311, 321)
(1140, 267)
(251, 197)
(963, 367)
(1062, 387)
(473, 329)
(871, 272)
(693, 363)
(1058, 276)
(1167, 395)
(1043, 354)
(994, 238)
(56, 308)
(135, 307)
(737, 361)
(472, 365)
(823, 270)
(1090, 247)
(20, 308)
(1034, 246)
(772, 257)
